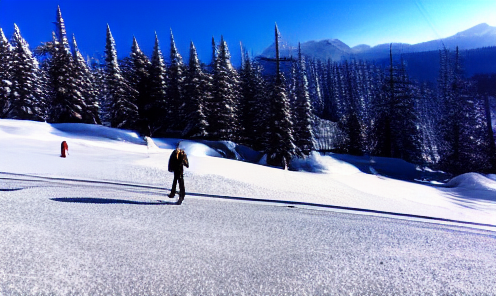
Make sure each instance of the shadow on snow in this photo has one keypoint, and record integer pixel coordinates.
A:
(93, 200)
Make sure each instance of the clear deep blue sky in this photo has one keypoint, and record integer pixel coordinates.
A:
(250, 21)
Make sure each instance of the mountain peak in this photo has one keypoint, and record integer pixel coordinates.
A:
(481, 35)
(478, 30)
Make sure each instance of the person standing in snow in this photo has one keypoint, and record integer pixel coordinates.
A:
(63, 149)
(177, 160)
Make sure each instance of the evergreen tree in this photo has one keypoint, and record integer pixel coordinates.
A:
(214, 56)
(329, 111)
(67, 104)
(175, 89)
(119, 96)
(5, 73)
(139, 80)
(314, 87)
(253, 105)
(427, 108)
(350, 118)
(196, 94)
(223, 121)
(26, 100)
(464, 144)
(85, 87)
(396, 122)
(97, 69)
(157, 105)
(280, 142)
(303, 117)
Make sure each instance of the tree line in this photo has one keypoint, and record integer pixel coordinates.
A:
(383, 112)
(379, 110)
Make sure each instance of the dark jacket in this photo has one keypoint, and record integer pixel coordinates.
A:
(177, 160)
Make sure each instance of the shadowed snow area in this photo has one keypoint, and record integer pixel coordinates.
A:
(226, 169)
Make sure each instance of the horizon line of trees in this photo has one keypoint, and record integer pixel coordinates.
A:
(379, 110)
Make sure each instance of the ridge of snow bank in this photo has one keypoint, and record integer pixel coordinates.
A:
(473, 181)
(99, 131)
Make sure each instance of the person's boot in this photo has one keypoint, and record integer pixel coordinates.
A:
(181, 198)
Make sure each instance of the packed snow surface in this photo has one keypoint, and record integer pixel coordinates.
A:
(226, 169)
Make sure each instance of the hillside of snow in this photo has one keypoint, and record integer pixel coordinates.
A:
(225, 169)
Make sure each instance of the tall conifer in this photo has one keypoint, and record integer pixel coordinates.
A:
(140, 80)
(197, 93)
(26, 100)
(85, 86)
(67, 104)
(175, 89)
(157, 105)
(223, 111)
(303, 116)
(5, 73)
(119, 96)
(280, 142)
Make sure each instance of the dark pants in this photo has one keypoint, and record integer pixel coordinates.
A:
(178, 176)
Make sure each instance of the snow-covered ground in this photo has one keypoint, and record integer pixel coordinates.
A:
(103, 154)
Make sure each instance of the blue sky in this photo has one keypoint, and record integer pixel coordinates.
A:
(251, 22)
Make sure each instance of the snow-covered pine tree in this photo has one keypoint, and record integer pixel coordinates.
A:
(464, 145)
(67, 104)
(303, 116)
(327, 90)
(427, 108)
(253, 106)
(196, 93)
(406, 128)
(314, 86)
(262, 105)
(349, 121)
(26, 100)
(5, 72)
(280, 142)
(119, 96)
(85, 86)
(214, 56)
(139, 80)
(223, 110)
(157, 105)
(97, 69)
(175, 90)
(396, 122)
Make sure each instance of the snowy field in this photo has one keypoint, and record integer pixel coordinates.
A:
(103, 154)
(99, 222)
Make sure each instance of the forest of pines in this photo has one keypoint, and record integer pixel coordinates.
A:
(353, 107)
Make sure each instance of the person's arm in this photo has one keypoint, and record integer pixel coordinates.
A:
(185, 161)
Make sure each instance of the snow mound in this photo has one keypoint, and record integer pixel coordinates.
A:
(98, 131)
(318, 163)
(198, 149)
(150, 144)
(231, 150)
(473, 181)
(25, 128)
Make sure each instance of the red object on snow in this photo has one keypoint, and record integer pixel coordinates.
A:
(63, 149)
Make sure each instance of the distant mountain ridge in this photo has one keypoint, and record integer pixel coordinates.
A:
(479, 36)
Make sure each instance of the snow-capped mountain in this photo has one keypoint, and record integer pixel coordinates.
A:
(478, 36)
